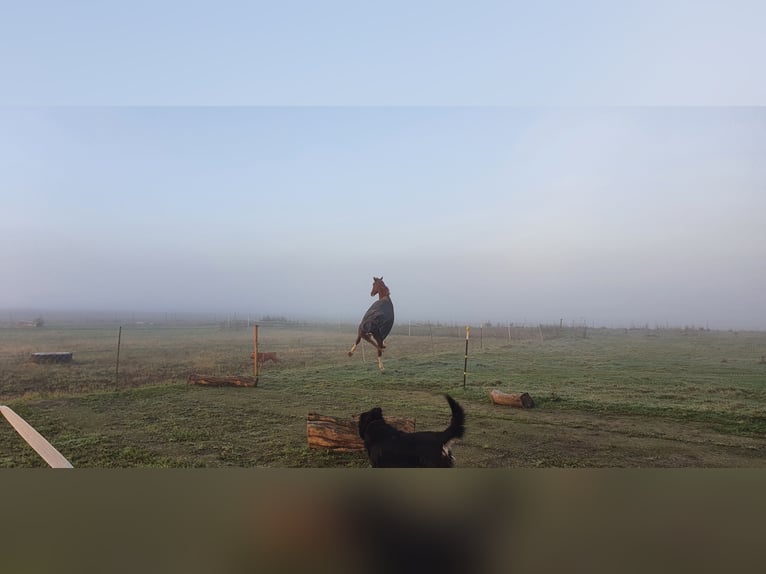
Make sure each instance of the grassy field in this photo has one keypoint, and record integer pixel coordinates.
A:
(604, 397)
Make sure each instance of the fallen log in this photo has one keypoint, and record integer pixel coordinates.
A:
(342, 435)
(222, 381)
(59, 357)
(520, 400)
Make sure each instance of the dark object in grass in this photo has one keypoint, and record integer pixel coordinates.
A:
(389, 447)
(58, 357)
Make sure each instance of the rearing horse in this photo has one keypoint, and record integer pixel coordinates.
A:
(377, 321)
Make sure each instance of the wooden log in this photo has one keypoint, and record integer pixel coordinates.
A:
(222, 381)
(342, 435)
(520, 400)
(58, 357)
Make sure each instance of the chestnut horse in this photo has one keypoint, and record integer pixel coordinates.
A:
(377, 321)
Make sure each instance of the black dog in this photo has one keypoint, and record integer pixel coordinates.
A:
(390, 447)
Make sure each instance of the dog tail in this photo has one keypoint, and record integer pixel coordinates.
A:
(456, 427)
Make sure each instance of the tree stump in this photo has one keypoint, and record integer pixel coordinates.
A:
(222, 381)
(342, 435)
(520, 400)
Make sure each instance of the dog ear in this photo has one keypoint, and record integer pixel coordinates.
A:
(364, 420)
(367, 417)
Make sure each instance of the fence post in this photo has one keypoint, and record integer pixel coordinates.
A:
(117, 369)
(465, 362)
(255, 353)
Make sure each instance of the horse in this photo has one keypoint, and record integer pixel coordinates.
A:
(377, 321)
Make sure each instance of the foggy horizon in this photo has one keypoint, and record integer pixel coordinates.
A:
(19, 317)
(277, 162)
(606, 216)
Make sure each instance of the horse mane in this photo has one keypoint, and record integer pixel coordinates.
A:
(382, 289)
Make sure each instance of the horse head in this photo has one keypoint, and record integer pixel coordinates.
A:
(378, 287)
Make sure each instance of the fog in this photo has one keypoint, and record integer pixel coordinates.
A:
(606, 216)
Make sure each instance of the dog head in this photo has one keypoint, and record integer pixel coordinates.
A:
(368, 417)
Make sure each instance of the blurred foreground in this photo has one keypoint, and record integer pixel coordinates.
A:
(382, 521)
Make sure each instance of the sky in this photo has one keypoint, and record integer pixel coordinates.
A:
(254, 160)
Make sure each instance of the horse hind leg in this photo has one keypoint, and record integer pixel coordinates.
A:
(378, 344)
(353, 347)
(380, 360)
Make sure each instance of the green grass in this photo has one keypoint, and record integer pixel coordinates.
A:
(613, 398)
